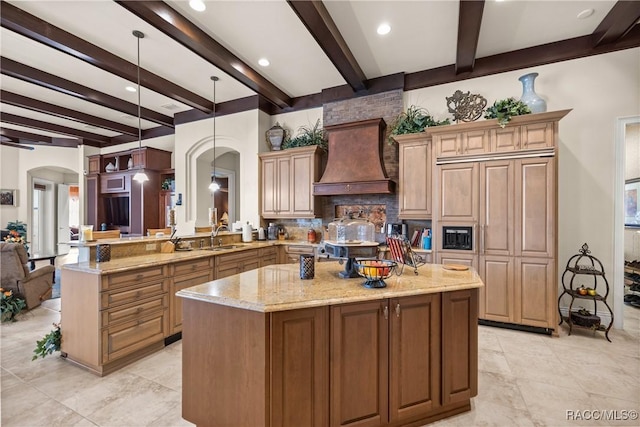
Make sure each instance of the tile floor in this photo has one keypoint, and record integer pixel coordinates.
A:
(524, 380)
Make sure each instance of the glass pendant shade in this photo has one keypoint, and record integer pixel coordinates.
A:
(213, 187)
(140, 177)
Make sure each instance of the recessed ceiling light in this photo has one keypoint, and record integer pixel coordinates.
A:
(130, 89)
(384, 29)
(585, 14)
(197, 5)
(264, 62)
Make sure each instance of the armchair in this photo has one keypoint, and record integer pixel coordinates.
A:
(34, 286)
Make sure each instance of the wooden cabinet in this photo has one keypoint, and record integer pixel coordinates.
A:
(268, 256)
(92, 191)
(287, 179)
(291, 253)
(184, 275)
(415, 170)
(113, 319)
(236, 262)
(512, 204)
(300, 367)
(458, 192)
(458, 143)
(385, 361)
(94, 164)
(115, 182)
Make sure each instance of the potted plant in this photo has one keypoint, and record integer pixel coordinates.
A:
(308, 135)
(504, 109)
(414, 120)
(12, 305)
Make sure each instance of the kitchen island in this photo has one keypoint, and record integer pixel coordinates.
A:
(265, 348)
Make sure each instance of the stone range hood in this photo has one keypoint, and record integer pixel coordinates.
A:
(355, 164)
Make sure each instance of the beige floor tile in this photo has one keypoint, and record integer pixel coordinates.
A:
(486, 413)
(171, 418)
(48, 413)
(500, 389)
(493, 361)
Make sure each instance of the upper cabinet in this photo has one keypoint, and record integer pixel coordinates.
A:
(529, 132)
(287, 179)
(414, 193)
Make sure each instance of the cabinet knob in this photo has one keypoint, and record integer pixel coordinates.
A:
(398, 310)
(385, 311)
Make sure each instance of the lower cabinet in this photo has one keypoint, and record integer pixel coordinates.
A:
(376, 363)
(236, 262)
(291, 253)
(268, 256)
(185, 275)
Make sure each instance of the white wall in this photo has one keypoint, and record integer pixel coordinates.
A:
(599, 89)
(293, 121)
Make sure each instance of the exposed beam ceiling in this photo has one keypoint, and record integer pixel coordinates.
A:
(469, 21)
(617, 23)
(65, 113)
(34, 138)
(316, 18)
(40, 78)
(36, 29)
(50, 127)
(176, 26)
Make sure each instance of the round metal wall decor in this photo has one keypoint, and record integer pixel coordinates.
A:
(465, 106)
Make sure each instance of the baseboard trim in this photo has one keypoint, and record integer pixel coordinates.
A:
(525, 328)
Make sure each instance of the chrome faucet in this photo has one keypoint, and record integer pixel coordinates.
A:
(214, 232)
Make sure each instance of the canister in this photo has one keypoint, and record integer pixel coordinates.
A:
(307, 267)
(103, 252)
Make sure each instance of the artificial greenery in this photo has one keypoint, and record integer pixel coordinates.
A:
(19, 227)
(414, 120)
(11, 305)
(48, 344)
(307, 135)
(504, 109)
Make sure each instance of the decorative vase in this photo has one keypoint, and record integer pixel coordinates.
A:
(275, 136)
(130, 163)
(529, 96)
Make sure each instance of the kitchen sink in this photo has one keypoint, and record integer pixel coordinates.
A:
(223, 247)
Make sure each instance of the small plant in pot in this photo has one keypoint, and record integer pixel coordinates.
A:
(308, 135)
(414, 120)
(504, 109)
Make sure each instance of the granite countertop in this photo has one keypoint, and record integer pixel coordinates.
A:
(279, 287)
(156, 258)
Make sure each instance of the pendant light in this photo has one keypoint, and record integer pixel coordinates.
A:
(140, 176)
(214, 186)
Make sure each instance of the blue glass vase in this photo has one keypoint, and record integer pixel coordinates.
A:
(529, 95)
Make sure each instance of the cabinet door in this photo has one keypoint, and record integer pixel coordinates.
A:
(535, 208)
(300, 367)
(92, 201)
(269, 190)
(302, 170)
(506, 139)
(475, 142)
(497, 296)
(459, 192)
(359, 364)
(496, 208)
(535, 292)
(283, 186)
(414, 195)
(448, 144)
(538, 135)
(459, 346)
(186, 275)
(414, 357)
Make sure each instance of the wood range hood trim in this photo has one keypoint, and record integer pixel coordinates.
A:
(354, 163)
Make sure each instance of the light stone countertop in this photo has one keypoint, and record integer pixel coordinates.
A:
(279, 287)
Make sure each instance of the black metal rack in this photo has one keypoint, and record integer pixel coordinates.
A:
(583, 265)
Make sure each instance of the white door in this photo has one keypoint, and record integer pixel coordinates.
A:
(63, 219)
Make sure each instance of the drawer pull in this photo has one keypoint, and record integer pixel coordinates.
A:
(140, 277)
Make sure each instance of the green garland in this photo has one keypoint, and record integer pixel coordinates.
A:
(504, 109)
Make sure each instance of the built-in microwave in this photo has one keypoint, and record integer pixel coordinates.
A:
(457, 237)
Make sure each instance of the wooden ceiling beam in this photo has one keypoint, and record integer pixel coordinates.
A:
(36, 139)
(469, 22)
(315, 16)
(549, 53)
(173, 24)
(51, 127)
(32, 75)
(17, 100)
(620, 19)
(34, 28)
(15, 145)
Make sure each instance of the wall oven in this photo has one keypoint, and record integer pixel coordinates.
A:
(457, 238)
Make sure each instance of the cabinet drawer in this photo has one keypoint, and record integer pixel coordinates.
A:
(120, 297)
(300, 250)
(270, 251)
(128, 337)
(268, 260)
(251, 264)
(134, 311)
(192, 266)
(128, 278)
(235, 257)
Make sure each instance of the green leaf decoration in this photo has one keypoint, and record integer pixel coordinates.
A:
(504, 109)
(414, 120)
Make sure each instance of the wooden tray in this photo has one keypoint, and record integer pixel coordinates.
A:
(455, 267)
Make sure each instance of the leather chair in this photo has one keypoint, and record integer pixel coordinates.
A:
(34, 286)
